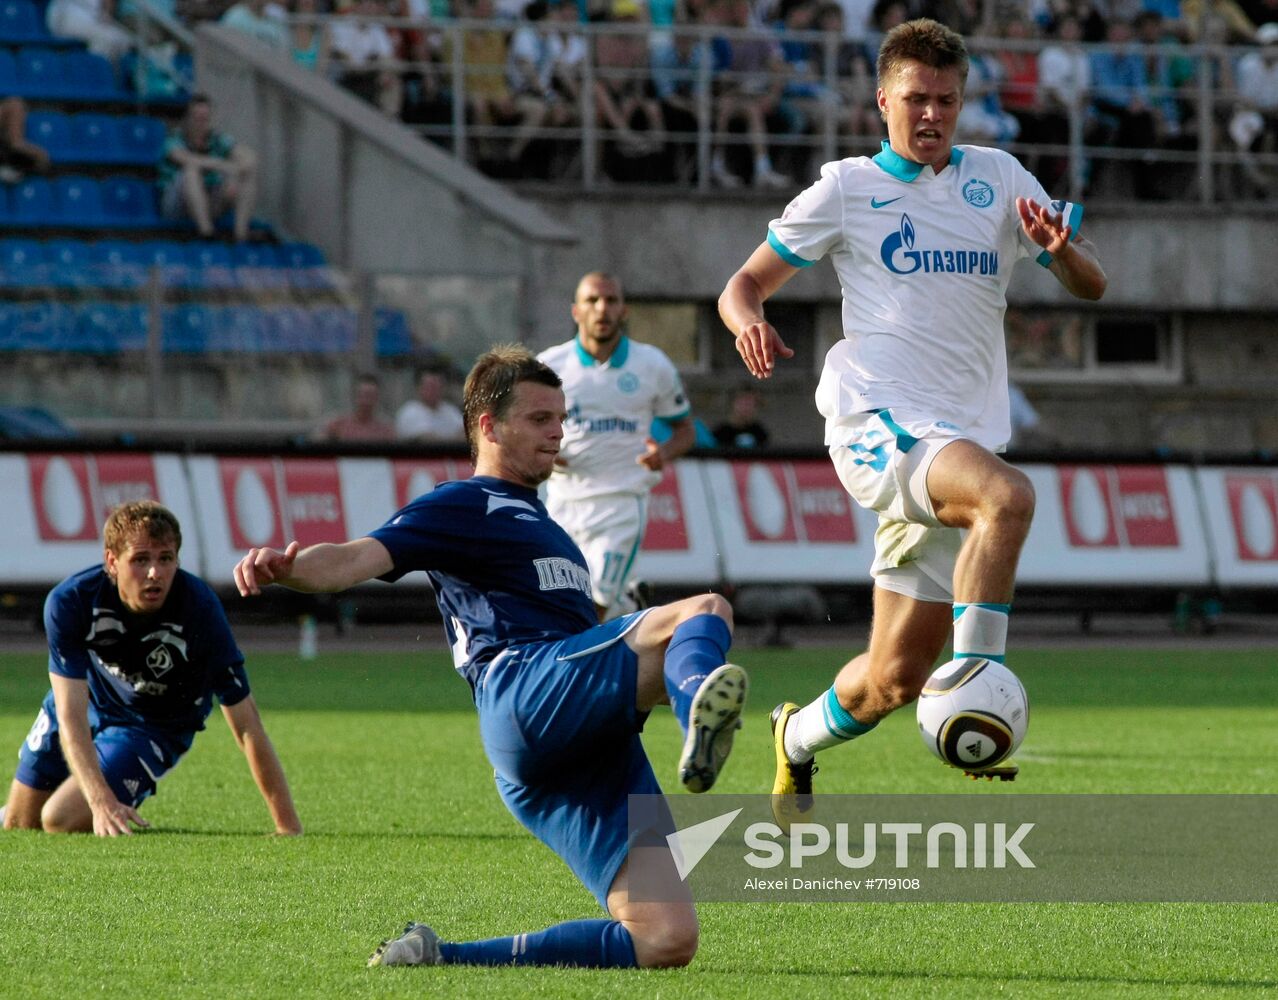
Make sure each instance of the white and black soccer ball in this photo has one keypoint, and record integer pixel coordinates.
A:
(973, 712)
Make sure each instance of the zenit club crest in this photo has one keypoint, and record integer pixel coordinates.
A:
(978, 193)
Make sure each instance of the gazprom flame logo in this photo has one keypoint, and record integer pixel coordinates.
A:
(900, 256)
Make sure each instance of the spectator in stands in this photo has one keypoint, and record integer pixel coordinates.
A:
(748, 91)
(1165, 70)
(743, 429)
(1254, 126)
(854, 101)
(18, 155)
(252, 18)
(308, 41)
(1122, 100)
(489, 102)
(364, 49)
(91, 21)
(982, 118)
(676, 73)
(1018, 88)
(205, 172)
(1241, 29)
(805, 97)
(530, 69)
(884, 16)
(429, 417)
(626, 103)
(364, 422)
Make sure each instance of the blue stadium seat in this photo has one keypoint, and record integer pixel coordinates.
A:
(300, 255)
(22, 264)
(186, 328)
(292, 330)
(394, 338)
(334, 329)
(129, 202)
(20, 22)
(108, 328)
(39, 73)
(36, 326)
(94, 138)
(257, 266)
(72, 264)
(89, 76)
(8, 73)
(305, 266)
(170, 257)
(77, 201)
(211, 265)
(141, 139)
(122, 264)
(238, 329)
(52, 130)
(32, 203)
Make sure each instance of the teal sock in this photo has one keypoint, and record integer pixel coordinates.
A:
(981, 630)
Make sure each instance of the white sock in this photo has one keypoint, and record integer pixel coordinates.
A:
(817, 726)
(981, 630)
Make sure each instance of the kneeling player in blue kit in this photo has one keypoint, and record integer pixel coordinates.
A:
(138, 648)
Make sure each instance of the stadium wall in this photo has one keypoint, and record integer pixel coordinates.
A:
(713, 521)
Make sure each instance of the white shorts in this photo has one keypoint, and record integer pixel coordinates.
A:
(608, 530)
(883, 464)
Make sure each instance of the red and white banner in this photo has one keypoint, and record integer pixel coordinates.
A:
(709, 521)
(788, 522)
(1241, 507)
(1114, 525)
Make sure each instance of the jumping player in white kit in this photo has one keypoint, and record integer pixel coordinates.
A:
(923, 237)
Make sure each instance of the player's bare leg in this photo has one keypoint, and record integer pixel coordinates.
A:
(67, 810)
(22, 810)
(664, 933)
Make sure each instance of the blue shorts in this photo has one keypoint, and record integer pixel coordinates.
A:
(132, 758)
(559, 725)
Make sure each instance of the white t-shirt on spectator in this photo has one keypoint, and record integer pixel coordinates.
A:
(417, 420)
(1258, 82)
(360, 43)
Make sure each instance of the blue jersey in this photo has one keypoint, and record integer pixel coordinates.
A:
(160, 670)
(504, 573)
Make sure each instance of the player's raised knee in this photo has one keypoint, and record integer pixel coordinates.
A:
(709, 604)
(1010, 498)
(669, 945)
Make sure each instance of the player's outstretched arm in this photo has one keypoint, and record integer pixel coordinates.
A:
(317, 569)
(264, 763)
(1075, 263)
(110, 816)
(741, 309)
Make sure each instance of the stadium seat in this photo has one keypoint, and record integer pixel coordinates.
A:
(305, 266)
(238, 329)
(20, 22)
(94, 138)
(129, 202)
(292, 330)
(77, 201)
(52, 130)
(169, 257)
(210, 265)
(141, 139)
(122, 264)
(39, 73)
(32, 202)
(89, 76)
(109, 328)
(394, 338)
(35, 326)
(186, 328)
(335, 328)
(257, 266)
(71, 264)
(8, 72)
(22, 264)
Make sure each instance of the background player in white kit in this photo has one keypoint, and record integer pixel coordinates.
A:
(608, 462)
(923, 237)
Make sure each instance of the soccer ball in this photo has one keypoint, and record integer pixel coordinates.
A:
(973, 713)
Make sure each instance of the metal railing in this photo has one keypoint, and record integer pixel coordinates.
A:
(575, 148)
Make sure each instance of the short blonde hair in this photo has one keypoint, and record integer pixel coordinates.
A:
(148, 518)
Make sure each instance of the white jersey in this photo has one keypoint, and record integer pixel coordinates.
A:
(924, 261)
(611, 407)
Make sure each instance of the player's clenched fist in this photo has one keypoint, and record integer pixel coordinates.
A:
(262, 567)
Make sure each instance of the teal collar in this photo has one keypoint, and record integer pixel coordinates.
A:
(892, 162)
(616, 360)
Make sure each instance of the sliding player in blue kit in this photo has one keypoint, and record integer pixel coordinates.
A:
(561, 699)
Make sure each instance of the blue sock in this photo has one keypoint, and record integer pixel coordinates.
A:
(587, 944)
(698, 647)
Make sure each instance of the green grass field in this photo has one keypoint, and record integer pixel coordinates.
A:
(402, 822)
